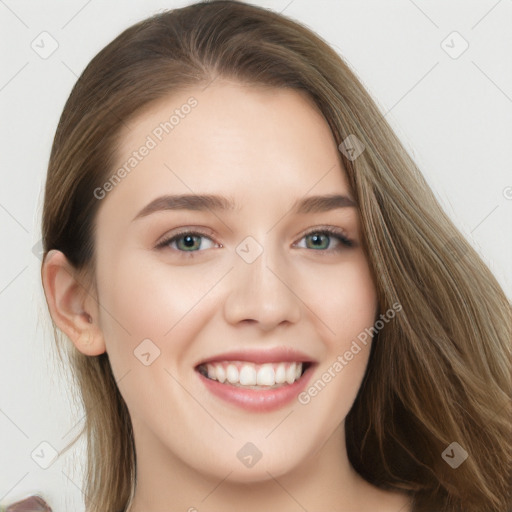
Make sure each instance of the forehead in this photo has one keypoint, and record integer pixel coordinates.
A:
(231, 139)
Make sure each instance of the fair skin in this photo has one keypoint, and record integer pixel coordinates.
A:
(264, 148)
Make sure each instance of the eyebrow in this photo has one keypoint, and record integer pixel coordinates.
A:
(312, 204)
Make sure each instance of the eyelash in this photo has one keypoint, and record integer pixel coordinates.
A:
(330, 231)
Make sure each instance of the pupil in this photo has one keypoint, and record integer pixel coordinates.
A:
(189, 241)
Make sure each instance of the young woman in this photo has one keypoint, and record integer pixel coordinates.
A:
(266, 306)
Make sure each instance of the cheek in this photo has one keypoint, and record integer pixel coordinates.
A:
(348, 306)
(147, 299)
(344, 299)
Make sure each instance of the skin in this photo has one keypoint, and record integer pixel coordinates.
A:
(265, 148)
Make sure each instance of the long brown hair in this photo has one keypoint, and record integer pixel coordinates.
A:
(439, 372)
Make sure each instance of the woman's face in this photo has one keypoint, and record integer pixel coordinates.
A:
(260, 279)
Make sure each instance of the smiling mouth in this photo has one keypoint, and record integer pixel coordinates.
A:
(248, 375)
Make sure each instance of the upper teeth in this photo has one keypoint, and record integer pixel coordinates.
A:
(250, 374)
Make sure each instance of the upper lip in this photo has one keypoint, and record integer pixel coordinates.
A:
(269, 355)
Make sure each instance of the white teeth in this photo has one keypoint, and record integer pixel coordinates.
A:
(281, 374)
(248, 376)
(241, 373)
(221, 373)
(232, 374)
(290, 373)
(266, 376)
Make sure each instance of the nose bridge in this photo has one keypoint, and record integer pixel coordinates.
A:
(260, 291)
(260, 274)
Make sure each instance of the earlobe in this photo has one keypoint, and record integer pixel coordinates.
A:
(72, 306)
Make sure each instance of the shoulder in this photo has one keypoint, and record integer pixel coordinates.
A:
(31, 504)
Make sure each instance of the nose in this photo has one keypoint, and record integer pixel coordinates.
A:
(262, 293)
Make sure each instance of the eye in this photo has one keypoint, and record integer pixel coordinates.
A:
(321, 239)
(187, 241)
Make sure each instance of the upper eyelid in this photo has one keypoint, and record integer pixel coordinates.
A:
(185, 231)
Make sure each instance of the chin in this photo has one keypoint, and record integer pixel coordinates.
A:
(260, 472)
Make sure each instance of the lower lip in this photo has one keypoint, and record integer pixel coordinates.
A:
(258, 400)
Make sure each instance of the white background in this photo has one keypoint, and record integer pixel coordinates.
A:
(453, 115)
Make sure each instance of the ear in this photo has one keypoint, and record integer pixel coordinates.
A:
(72, 306)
